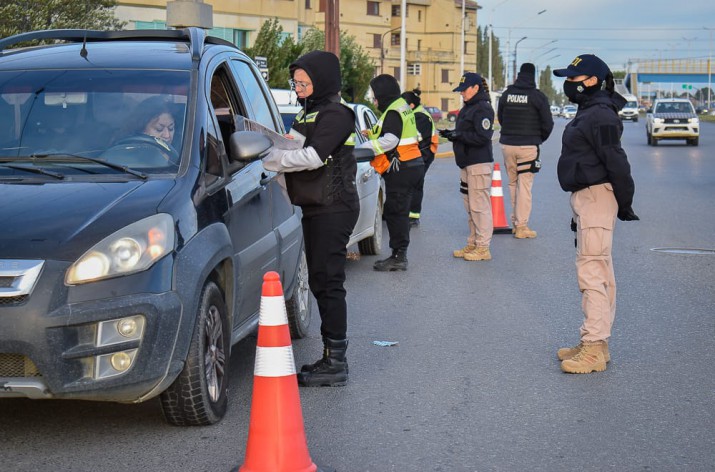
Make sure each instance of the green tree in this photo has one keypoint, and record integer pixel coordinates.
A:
(483, 59)
(280, 50)
(356, 66)
(547, 86)
(21, 16)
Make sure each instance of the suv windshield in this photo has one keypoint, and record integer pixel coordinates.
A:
(674, 107)
(129, 118)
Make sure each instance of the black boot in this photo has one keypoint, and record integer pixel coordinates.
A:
(397, 261)
(331, 370)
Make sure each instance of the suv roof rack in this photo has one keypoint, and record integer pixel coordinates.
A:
(197, 37)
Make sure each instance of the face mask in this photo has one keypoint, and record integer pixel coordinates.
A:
(577, 92)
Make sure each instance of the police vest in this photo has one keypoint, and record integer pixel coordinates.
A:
(408, 148)
(519, 114)
(434, 139)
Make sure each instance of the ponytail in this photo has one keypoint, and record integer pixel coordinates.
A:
(610, 85)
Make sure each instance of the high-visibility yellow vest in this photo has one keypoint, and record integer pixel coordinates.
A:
(434, 139)
(409, 146)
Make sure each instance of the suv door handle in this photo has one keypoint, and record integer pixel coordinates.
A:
(264, 178)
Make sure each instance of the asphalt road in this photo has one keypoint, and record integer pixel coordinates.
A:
(474, 384)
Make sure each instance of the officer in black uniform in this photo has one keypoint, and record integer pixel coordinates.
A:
(321, 179)
(594, 168)
(525, 117)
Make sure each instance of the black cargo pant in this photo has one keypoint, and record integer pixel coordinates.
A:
(418, 192)
(326, 237)
(399, 186)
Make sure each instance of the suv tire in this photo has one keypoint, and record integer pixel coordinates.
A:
(299, 305)
(199, 395)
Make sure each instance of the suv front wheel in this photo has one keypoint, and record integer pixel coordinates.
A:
(199, 395)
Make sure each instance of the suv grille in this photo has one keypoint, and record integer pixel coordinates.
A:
(17, 365)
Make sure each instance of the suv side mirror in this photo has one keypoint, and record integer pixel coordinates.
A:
(363, 154)
(248, 146)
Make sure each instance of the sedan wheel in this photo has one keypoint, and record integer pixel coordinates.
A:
(199, 395)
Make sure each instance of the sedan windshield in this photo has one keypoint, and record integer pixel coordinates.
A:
(130, 119)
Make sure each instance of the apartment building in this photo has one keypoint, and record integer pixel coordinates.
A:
(433, 49)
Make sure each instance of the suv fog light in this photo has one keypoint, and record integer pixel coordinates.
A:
(116, 363)
(127, 327)
(121, 330)
(120, 361)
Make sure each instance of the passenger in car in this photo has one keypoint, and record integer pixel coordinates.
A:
(320, 178)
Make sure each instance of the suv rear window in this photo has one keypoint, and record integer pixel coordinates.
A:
(56, 115)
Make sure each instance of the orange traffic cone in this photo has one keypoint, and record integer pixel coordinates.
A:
(497, 194)
(276, 438)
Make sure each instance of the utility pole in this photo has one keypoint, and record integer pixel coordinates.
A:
(332, 26)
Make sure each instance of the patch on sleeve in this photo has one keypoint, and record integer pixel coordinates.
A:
(486, 123)
(609, 135)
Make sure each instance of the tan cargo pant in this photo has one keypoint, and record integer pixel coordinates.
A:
(595, 211)
(519, 184)
(478, 203)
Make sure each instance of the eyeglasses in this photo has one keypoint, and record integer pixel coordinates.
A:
(295, 84)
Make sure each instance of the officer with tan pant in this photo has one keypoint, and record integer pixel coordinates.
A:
(594, 167)
(526, 122)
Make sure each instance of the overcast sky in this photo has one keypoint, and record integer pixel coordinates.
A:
(616, 31)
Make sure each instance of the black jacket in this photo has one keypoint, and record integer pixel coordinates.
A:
(333, 185)
(472, 141)
(424, 126)
(524, 113)
(591, 150)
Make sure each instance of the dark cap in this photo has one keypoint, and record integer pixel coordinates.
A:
(469, 79)
(585, 64)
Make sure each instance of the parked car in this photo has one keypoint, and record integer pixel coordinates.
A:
(555, 110)
(452, 115)
(370, 186)
(569, 111)
(672, 118)
(135, 263)
(435, 112)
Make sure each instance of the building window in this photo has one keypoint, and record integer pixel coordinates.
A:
(445, 78)
(396, 10)
(419, 16)
(445, 104)
(376, 39)
(419, 44)
(307, 4)
(414, 69)
(373, 8)
(396, 73)
(395, 39)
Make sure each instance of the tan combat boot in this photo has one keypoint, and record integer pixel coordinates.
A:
(523, 232)
(479, 254)
(460, 252)
(590, 358)
(568, 352)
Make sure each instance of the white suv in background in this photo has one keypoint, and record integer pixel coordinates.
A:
(630, 110)
(672, 118)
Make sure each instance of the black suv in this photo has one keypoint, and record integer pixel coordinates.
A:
(131, 260)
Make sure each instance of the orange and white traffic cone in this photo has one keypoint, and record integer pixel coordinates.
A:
(497, 195)
(276, 437)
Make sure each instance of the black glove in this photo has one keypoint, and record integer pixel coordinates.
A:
(446, 133)
(627, 214)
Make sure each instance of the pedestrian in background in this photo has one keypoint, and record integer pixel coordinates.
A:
(429, 140)
(320, 178)
(472, 144)
(594, 167)
(395, 141)
(524, 114)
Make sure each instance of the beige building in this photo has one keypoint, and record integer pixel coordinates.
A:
(433, 52)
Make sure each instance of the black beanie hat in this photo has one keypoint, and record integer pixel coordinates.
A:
(412, 98)
(527, 68)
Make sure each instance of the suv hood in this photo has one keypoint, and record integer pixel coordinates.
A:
(61, 221)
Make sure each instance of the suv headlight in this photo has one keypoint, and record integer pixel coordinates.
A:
(693, 120)
(132, 249)
(658, 121)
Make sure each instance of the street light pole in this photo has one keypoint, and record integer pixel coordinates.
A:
(382, 49)
(515, 49)
(491, 40)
